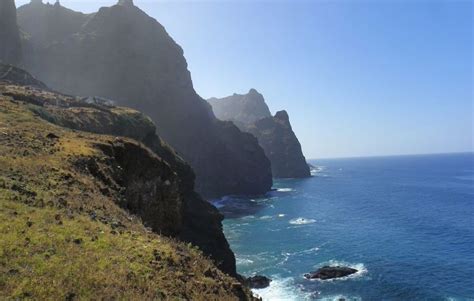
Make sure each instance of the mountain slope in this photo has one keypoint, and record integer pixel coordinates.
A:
(106, 178)
(275, 134)
(121, 53)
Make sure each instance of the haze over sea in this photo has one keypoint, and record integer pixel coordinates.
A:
(406, 223)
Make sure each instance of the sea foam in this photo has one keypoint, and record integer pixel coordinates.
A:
(302, 221)
(282, 289)
(285, 189)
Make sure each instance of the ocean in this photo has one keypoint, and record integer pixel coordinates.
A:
(405, 222)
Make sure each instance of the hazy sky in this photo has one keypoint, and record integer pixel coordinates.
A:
(357, 77)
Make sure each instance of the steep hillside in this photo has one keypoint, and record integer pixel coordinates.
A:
(275, 134)
(94, 216)
(123, 54)
(200, 223)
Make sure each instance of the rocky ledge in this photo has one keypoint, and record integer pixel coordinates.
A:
(258, 282)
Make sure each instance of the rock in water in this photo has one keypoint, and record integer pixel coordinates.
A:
(258, 282)
(275, 134)
(10, 44)
(123, 54)
(328, 272)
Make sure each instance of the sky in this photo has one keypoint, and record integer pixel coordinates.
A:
(358, 78)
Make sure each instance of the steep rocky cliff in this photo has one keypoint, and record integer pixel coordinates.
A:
(275, 134)
(121, 53)
(10, 45)
(153, 183)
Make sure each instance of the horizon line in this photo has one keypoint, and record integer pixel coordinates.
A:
(392, 155)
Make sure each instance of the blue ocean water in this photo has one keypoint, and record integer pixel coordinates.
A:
(406, 223)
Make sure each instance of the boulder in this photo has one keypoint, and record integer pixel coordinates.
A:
(258, 281)
(328, 272)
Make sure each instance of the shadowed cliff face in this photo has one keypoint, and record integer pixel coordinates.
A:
(251, 114)
(10, 45)
(123, 54)
(153, 183)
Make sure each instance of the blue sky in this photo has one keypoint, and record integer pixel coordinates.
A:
(358, 78)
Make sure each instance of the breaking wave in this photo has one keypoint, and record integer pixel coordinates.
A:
(302, 221)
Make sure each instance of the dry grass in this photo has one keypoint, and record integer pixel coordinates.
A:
(62, 239)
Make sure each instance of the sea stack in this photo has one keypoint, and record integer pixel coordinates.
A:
(10, 46)
(274, 133)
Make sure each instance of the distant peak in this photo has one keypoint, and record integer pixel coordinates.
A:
(253, 91)
(127, 3)
(282, 115)
(57, 3)
(36, 2)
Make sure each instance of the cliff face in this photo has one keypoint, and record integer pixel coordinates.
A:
(121, 53)
(281, 145)
(10, 45)
(275, 135)
(152, 183)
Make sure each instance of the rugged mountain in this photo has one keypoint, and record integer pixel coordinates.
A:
(241, 109)
(10, 45)
(275, 134)
(123, 54)
(281, 145)
(153, 183)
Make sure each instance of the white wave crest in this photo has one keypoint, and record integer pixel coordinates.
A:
(282, 289)
(243, 261)
(285, 189)
(302, 221)
(339, 297)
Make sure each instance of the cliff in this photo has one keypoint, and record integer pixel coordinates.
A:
(274, 134)
(107, 210)
(123, 54)
(10, 45)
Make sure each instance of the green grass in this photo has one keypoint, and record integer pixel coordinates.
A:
(59, 233)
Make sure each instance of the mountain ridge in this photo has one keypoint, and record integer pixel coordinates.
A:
(123, 54)
(274, 133)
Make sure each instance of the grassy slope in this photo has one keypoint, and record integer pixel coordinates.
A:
(63, 239)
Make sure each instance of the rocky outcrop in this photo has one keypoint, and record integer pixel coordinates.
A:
(153, 183)
(331, 272)
(258, 282)
(275, 134)
(122, 54)
(10, 45)
(14, 75)
(242, 109)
